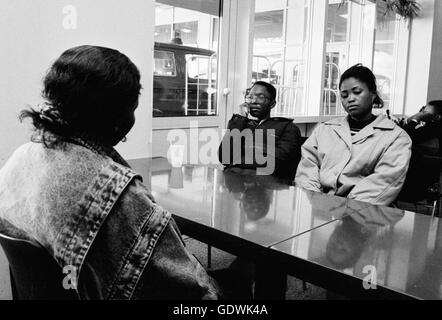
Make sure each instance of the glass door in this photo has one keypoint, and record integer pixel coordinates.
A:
(186, 68)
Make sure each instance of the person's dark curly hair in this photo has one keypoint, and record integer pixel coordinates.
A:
(365, 75)
(87, 89)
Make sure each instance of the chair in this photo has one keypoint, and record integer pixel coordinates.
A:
(422, 184)
(35, 275)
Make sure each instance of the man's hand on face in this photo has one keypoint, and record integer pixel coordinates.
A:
(244, 109)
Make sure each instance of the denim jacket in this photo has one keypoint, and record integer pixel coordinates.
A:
(92, 213)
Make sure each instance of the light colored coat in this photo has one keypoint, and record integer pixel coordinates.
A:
(370, 166)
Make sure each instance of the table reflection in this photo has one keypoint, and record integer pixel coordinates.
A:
(402, 248)
(339, 235)
(364, 226)
(261, 209)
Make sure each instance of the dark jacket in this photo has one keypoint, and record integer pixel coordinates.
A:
(286, 154)
(426, 136)
(92, 214)
(424, 169)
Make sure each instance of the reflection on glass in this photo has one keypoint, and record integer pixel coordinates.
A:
(385, 23)
(346, 243)
(188, 173)
(331, 102)
(260, 209)
(175, 155)
(187, 35)
(383, 64)
(164, 64)
(397, 249)
(337, 39)
(268, 43)
(351, 236)
(176, 178)
(280, 51)
(254, 197)
(337, 20)
(350, 28)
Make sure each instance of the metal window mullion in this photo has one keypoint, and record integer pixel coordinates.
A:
(284, 37)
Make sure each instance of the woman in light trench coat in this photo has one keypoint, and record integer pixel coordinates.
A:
(361, 156)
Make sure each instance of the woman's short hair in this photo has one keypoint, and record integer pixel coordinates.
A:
(366, 76)
(86, 89)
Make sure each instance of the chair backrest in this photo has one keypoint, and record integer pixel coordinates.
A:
(303, 139)
(422, 177)
(35, 275)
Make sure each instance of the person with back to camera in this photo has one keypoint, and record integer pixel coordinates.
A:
(361, 156)
(71, 192)
(255, 116)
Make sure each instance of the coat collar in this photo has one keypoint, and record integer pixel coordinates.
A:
(342, 128)
(381, 122)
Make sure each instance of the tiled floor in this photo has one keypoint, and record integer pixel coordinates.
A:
(221, 259)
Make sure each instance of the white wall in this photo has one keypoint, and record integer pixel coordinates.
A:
(420, 56)
(32, 36)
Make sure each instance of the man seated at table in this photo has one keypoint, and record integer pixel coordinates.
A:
(254, 139)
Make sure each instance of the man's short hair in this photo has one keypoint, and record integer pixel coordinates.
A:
(270, 88)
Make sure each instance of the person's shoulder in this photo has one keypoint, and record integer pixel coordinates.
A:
(395, 130)
(25, 149)
(288, 122)
(281, 119)
(237, 116)
(136, 200)
(334, 122)
(237, 121)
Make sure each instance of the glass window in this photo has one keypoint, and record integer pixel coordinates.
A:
(164, 64)
(337, 21)
(280, 51)
(331, 103)
(268, 45)
(350, 28)
(337, 38)
(186, 47)
(356, 31)
(383, 60)
(200, 86)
